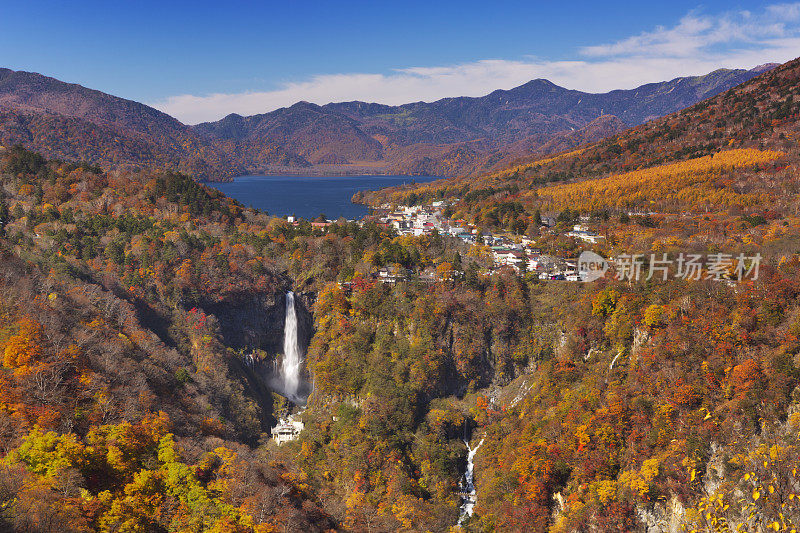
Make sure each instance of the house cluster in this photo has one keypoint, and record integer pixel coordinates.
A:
(521, 253)
(424, 220)
(517, 252)
(525, 257)
(395, 273)
(514, 251)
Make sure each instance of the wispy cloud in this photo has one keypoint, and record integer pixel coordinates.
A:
(698, 34)
(698, 44)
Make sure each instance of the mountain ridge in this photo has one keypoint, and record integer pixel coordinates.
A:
(756, 115)
(501, 118)
(451, 136)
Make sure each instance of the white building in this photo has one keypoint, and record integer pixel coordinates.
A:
(287, 430)
(504, 256)
(579, 231)
(456, 231)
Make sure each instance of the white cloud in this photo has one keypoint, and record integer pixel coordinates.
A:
(790, 12)
(696, 45)
(696, 33)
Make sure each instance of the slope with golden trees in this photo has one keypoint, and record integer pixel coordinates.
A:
(761, 114)
(693, 185)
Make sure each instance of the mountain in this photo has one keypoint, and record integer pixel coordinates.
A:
(645, 167)
(475, 157)
(452, 136)
(72, 122)
(457, 135)
(536, 107)
(30, 92)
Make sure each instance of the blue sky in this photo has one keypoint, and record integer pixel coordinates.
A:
(202, 60)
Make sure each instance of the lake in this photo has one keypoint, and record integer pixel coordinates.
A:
(308, 197)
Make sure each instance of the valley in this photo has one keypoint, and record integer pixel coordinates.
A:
(180, 354)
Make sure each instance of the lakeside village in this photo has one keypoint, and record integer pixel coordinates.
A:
(518, 252)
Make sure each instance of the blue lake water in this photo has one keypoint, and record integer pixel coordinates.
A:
(308, 197)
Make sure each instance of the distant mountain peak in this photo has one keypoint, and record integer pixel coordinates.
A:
(537, 84)
(303, 104)
(540, 82)
(764, 67)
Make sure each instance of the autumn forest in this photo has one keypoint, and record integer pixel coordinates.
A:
(143, 318)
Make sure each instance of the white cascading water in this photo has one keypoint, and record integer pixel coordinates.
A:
(470, 497)
(292, 359)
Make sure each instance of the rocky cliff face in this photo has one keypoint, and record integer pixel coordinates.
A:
(256, 320)
(254, 323)
(304, 305)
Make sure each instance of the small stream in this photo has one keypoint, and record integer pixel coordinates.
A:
(469, 496)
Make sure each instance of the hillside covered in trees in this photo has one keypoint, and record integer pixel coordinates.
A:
(135, 306)
(607, 404)
(635, 170)
(120, 408)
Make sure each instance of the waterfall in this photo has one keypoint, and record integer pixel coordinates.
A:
(288, 382)
(611, 366)
(469, 495)
(286, 377)
(291, 351)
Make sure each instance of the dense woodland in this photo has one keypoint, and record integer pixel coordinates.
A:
(603, 406)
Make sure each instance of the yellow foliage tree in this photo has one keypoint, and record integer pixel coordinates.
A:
(25, 347)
